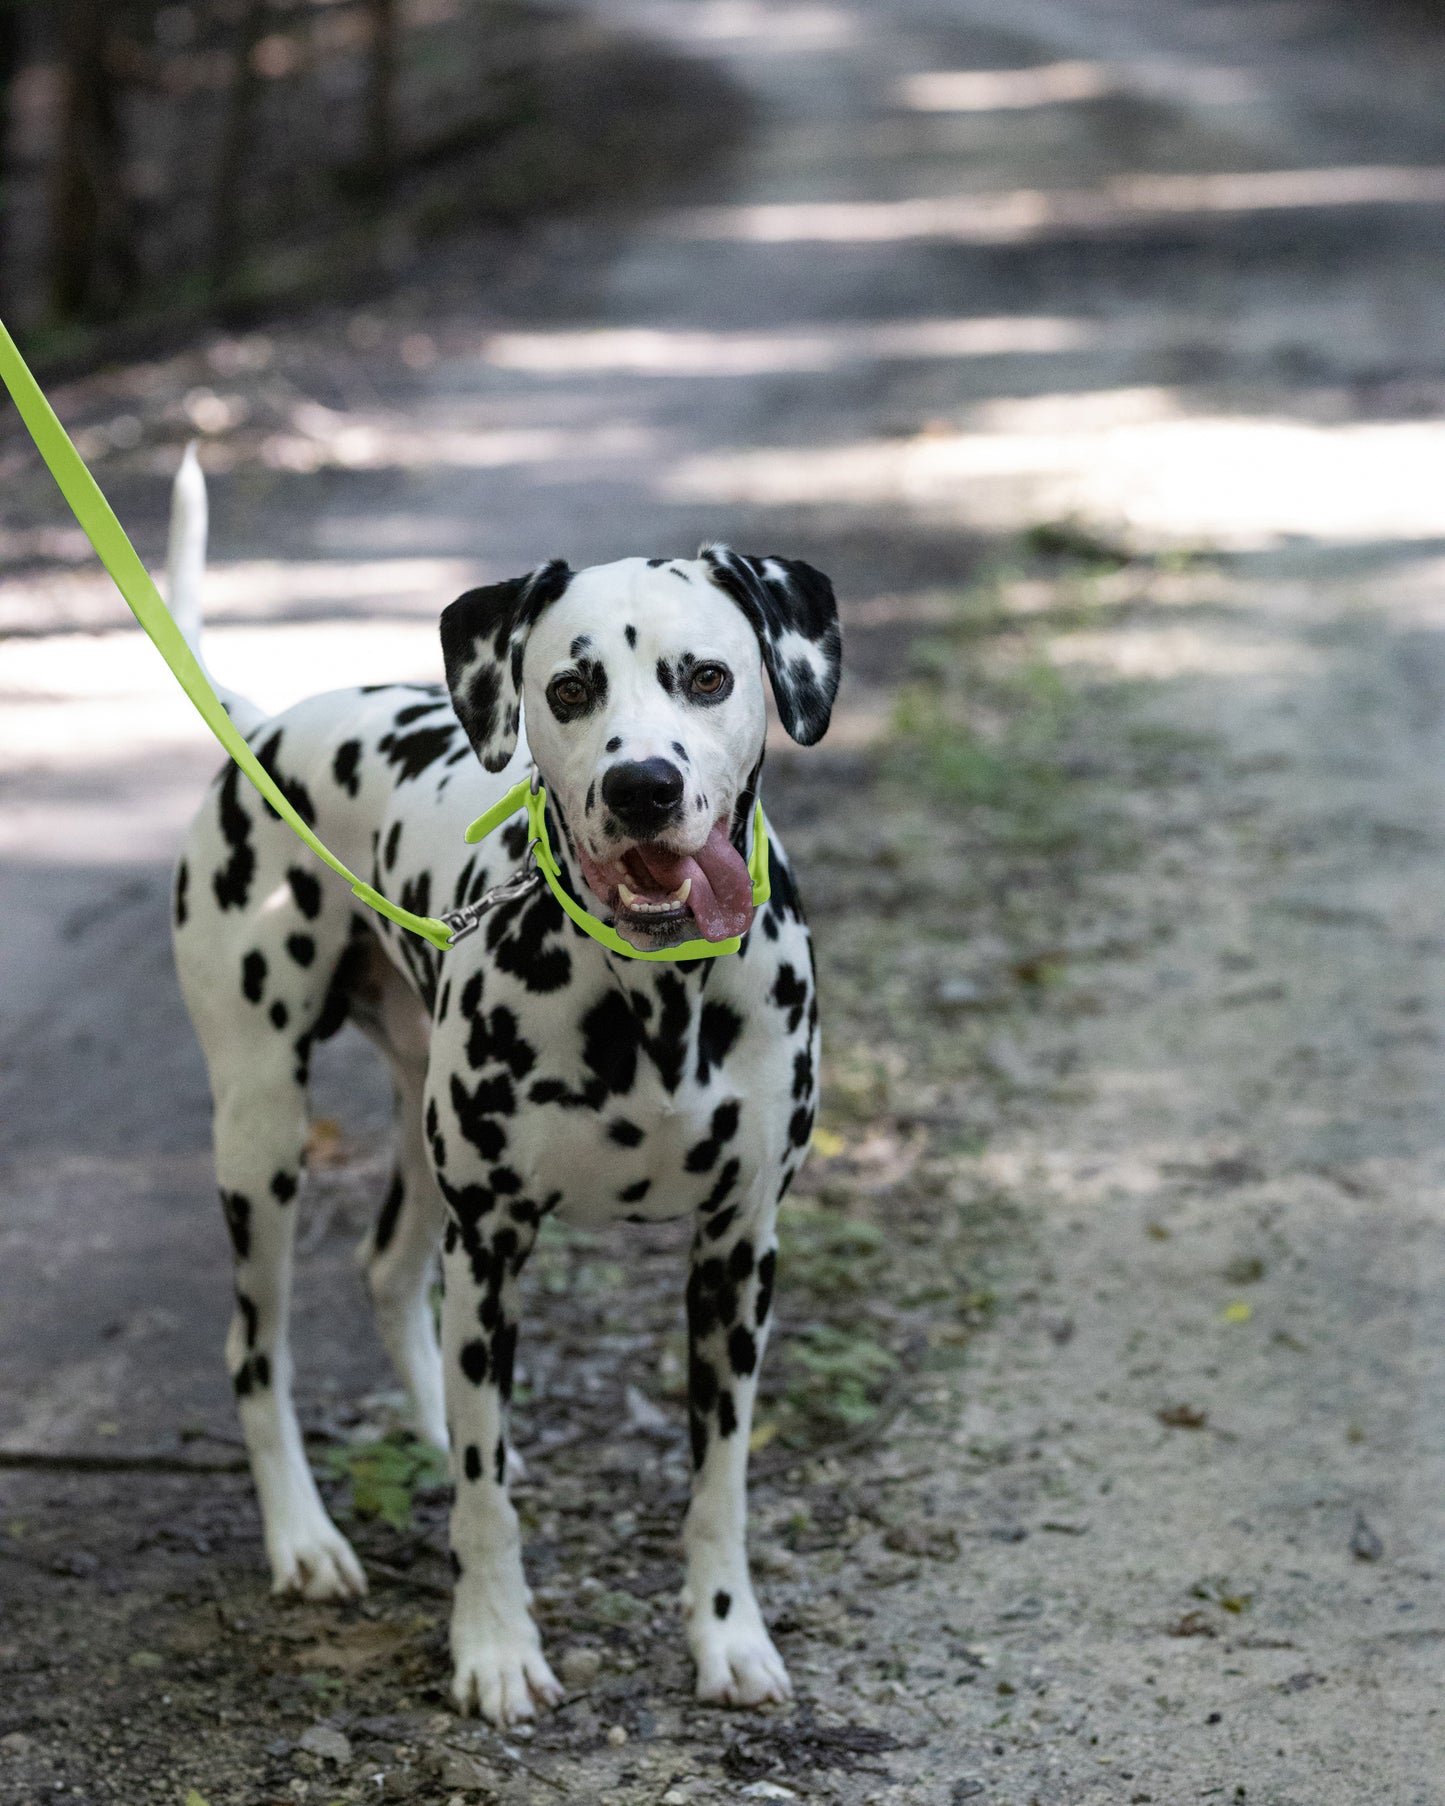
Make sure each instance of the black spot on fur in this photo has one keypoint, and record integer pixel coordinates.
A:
(634, 1193)
(472, 1462)
(237, 1209)
(790, 993)
(667, 677)
(740, 1261)
(183, 885)
(520, 938)
(703, 1157)
(504, 1355)
(499, 1461)
(283, 1186)
(343, 766)
(473, 1359)
(767, 1271)
(389, 1215)
(702, 1386)
(514, 837)
(292, 789)
(393, 844)
(306, 889)
(496, 1040)
(454, 1562)
(613, 1036)
(630, 634)
(742, 1351)
(412, 754)
(475, 1112)
(717, 1030)
(414, 712)
(626, 1134)
(800, 1128)
(302, 948)
(722, 1604)
(280, 1015)
(232, 884)
(253, 975)
(720, 1193)
(249, 1316)
(727, 1414)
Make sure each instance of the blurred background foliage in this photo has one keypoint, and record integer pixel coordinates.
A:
(162, 160)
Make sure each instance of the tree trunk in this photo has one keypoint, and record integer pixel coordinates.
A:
(381, 96)
(227, 237)
(93, 258)
(11, 52)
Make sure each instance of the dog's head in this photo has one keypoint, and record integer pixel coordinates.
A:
(642, 684)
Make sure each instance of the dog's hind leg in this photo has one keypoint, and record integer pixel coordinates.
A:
(729, 1305)
(257, 1018)
(399, 1253)
(260, 1135)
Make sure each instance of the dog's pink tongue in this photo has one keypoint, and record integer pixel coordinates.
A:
(721, 898)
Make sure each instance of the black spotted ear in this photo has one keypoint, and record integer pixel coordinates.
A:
(795, 615)
(484, 634)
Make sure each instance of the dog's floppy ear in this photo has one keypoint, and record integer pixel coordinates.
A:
(793, 612)
(484, 634)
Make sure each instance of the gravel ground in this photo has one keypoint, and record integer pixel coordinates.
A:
(1102, 1448)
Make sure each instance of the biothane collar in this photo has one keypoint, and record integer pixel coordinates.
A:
(531, 794)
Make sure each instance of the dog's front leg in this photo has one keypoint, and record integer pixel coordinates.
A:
(729, 1300)
(499, 1668)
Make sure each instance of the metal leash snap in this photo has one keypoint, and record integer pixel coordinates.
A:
(468, 918)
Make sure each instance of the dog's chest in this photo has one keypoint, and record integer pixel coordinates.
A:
(620, 1098)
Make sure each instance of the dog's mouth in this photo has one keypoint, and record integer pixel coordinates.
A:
(661, 896)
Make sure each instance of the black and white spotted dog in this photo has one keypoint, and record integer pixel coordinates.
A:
(534, 1070)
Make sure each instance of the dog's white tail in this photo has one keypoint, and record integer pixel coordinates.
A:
(185, 575)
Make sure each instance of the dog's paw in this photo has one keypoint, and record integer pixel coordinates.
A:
(503, 1675)
(315, 1562)
(737, 1664)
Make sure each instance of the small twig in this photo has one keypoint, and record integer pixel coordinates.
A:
(77, 1462)
(404, 1577)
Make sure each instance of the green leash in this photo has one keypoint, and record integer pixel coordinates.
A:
(531, 794)
(133, 580)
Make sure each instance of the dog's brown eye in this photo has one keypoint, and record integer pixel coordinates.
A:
(707, 680)
(570, 692)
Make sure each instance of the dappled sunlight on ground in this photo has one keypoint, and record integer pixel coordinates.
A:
(1013, 216)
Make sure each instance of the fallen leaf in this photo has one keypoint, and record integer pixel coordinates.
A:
(762, 1435)
(324, 1143)
(1238, 1312)
(827, 1143)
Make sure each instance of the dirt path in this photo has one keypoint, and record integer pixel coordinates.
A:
(1108, 1456)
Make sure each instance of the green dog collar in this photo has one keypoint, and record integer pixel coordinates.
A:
(531, 795)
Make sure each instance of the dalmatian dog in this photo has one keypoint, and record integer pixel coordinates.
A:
(535, 1071)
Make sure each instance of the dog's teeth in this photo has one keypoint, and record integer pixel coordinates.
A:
(629, 898)
(683, 891)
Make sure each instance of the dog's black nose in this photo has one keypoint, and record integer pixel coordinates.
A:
(643, 794)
